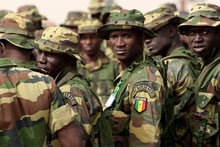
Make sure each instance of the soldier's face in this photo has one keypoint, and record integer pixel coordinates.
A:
(127, 45)
(50, 63)
(202, 40)
(160, 44)
(90, 44)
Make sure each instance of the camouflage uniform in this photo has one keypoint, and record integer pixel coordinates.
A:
(30, 101)
(203, 115)
(135, 114)
(182, 68)
(75, 89)
(103, 74)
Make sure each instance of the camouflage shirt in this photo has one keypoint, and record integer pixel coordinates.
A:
(30, 102)
(80, 95)
(136, 112)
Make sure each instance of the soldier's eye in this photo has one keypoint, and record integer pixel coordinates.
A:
(204, 32)
(191, 33)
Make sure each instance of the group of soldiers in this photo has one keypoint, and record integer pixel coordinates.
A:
(111, 78)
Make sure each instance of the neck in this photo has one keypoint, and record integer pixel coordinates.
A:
(174, 45)
(17, 54)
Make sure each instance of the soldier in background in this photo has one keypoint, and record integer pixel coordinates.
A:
(73, 20)
(203, 30)
(182, 65)
(104, 19)
(95, 8)
(20, 39)
(31, 12)
(99, 70)
(58, 53)
(30, 101)
(133, 111)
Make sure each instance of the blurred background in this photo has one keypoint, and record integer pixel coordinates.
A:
(56, 10)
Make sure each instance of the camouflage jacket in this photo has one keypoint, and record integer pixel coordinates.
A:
(80, 95)
(101, 77)
(204, 121)
(183, 68)
(30, 103)
(136, 111)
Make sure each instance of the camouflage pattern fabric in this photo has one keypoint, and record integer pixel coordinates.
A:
(101, 77)
(30, 102)
(134, 117)
(201, 15)
(203, 114)
(124, 20)
(59, 40)
(80, 95)
(160, 17)
(31, 12)
(16, 30)
(75, 89)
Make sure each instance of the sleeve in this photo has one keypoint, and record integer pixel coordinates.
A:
(61, 114)
(146, 98)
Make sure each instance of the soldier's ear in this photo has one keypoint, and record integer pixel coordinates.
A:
(2, 48)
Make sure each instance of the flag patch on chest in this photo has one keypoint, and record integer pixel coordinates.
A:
(140, 104)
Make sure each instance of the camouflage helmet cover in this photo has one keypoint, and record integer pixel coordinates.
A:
(107, 10)
(124, 20)
(161, 16)
(59, 40)
(16, 30)
(201, 15)
(31, 12)
(89, 25)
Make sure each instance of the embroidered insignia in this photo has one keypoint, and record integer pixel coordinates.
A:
(70, 98)
(144, 86)
(140, 104)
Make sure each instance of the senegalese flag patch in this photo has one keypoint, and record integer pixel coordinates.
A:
(140, 104)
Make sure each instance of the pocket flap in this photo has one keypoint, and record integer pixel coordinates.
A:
(203, 99)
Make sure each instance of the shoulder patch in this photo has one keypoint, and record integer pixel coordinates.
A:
(140, 104)
(144, 86)
(69, 97)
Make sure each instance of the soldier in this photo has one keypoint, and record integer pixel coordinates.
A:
(133, 113)
(31, 12)
(73, 19)
(58, 52)
(20, 39)
(95, 8)
(105, 18)
(183, 67)
(203, 29)
(30, 101)
(99, 70)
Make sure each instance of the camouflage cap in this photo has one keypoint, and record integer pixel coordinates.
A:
(107, 10)
(161, 16)
(124, 20)
(59, 40)
(96, 6)
(89, 25)
(201, 15)
(31, 12)
(16, 30)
